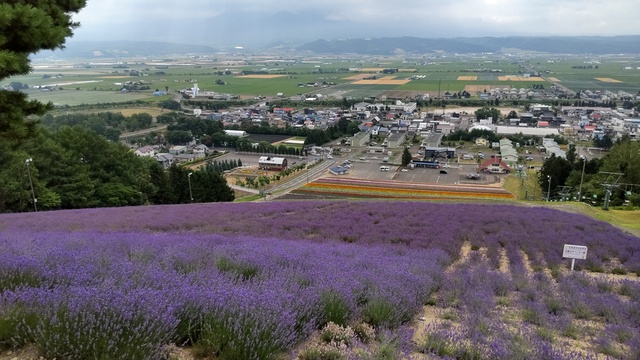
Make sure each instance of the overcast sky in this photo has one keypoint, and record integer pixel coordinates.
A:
(123, 19)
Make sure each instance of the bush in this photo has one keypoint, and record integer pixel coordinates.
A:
(321, 352)
(379, 313)
(336, 334)
(243, 271)
(334, 309)
(364, 332)
(619, 271)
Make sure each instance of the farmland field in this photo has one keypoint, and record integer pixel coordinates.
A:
(78, 97)
(284, 279)
(269, 77)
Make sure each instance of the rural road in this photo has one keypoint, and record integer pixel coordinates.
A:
(143, 132)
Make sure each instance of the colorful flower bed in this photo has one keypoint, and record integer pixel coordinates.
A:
(397, 190)
(255, 280)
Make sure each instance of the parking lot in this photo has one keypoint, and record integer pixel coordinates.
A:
(365, 165)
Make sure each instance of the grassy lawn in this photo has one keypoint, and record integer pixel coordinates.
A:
(624, 219)
(523, 187)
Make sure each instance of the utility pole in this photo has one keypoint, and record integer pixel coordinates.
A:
(584, 163)
(33, 193)
(549, 188)
(190, 192)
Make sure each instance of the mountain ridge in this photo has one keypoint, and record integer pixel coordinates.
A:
(597, 45)
(624, 44)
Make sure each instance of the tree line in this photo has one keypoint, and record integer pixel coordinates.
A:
(73, 167)
(108, 124)
(622, 158)
(182, 129)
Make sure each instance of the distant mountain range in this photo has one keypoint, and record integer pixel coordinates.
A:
(122, 49)
(366, 46)
(415, 45)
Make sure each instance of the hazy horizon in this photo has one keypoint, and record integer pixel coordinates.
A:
(254, 23)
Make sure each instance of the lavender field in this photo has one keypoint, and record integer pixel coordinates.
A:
(308, 280)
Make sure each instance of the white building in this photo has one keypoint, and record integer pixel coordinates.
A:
(146, 151)
(238, 133)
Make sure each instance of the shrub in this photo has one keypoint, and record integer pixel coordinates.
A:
(321, 352)
(335, 334)
(101, 324)
(232, 336)
(333, 308)
(241, 270)
(379, 313)
(15, 322)
(437, 343)
(364, 332)
(619, 271)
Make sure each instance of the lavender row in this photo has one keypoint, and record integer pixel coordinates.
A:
(540, 232)
(128, 295)
(488, 314)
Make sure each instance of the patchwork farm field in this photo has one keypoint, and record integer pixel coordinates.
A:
(317, 280)
(620, 73)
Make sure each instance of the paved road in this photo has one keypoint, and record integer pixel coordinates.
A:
(143, 132)
(304, 177)
(241, 188)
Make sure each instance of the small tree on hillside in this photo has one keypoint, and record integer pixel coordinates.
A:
(406, 157)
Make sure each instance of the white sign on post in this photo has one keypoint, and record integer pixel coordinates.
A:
(574, 252)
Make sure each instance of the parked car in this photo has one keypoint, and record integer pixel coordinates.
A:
(443, 172)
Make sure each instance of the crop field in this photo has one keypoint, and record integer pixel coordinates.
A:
(520, 78)
(78, 97)
(338, 187)
(355, 279)
(608, 80)
(615, 73)
(386, 80)
(571, 74)
(260, 76)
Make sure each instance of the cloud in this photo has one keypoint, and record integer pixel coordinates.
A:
(118, 19)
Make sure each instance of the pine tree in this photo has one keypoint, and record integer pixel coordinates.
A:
(406, 157)
(28, 27)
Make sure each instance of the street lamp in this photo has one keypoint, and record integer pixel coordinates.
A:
(190, 192)
(549, 188)
(33, 193)
(584, 163)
